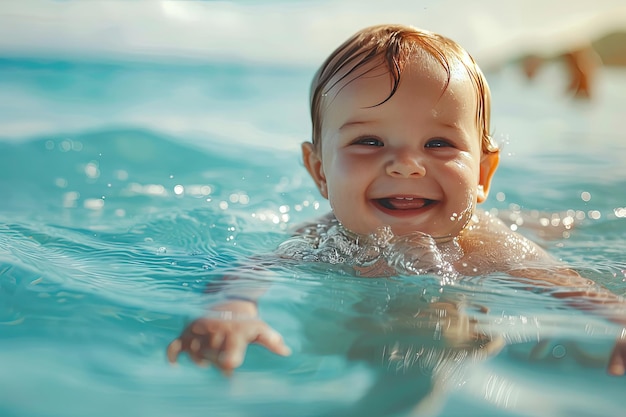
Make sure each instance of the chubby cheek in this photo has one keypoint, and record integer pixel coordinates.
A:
(466, 164)
(462, 188)
(464, 210)
(347, 187)
(343, 194)
(343, 176)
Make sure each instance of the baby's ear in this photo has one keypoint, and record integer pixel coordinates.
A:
(313, 164)
(488, 164)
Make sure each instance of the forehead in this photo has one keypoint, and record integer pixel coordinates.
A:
(423, 79)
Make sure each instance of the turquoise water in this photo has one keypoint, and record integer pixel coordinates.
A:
(127, 187)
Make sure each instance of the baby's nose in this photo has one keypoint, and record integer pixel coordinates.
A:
(405, 165)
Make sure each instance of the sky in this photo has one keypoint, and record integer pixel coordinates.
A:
(295, 32)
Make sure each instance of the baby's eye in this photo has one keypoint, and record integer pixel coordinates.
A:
(368, 141)
(438, 143)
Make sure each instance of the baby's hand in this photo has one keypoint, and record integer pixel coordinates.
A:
(617, 362)
(223, 341)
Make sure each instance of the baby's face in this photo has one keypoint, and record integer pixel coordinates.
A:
(413, 163)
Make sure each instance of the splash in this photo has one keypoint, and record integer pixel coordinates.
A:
(376, 255)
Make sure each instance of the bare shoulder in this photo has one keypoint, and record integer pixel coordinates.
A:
(490, 246)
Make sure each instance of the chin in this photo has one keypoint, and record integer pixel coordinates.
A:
(401, 231)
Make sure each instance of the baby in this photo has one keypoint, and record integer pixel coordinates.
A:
(401, 145)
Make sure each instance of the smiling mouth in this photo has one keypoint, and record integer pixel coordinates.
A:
(403, 203)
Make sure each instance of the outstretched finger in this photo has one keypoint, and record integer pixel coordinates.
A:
(200, 357)
(174, 349)
(232, 353)
(617, 363)
(273, 341)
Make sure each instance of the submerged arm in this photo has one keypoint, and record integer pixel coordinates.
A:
(584, 294)
(222, 336)
(491, 247)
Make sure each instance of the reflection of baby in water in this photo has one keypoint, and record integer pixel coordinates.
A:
(424, 346)
(401, 148)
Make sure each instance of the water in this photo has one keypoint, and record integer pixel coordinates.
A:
(127, 187)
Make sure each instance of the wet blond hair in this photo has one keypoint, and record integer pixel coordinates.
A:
(396, 45)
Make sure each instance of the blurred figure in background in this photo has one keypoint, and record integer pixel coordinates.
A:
(582, 62)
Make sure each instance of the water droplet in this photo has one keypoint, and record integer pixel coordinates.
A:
(559, 351)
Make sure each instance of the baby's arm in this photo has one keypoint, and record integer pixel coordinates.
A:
(585, 294)
(491, 246)
(222, 336)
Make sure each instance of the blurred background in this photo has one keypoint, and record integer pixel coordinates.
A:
(579, 34)
(300, 31)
